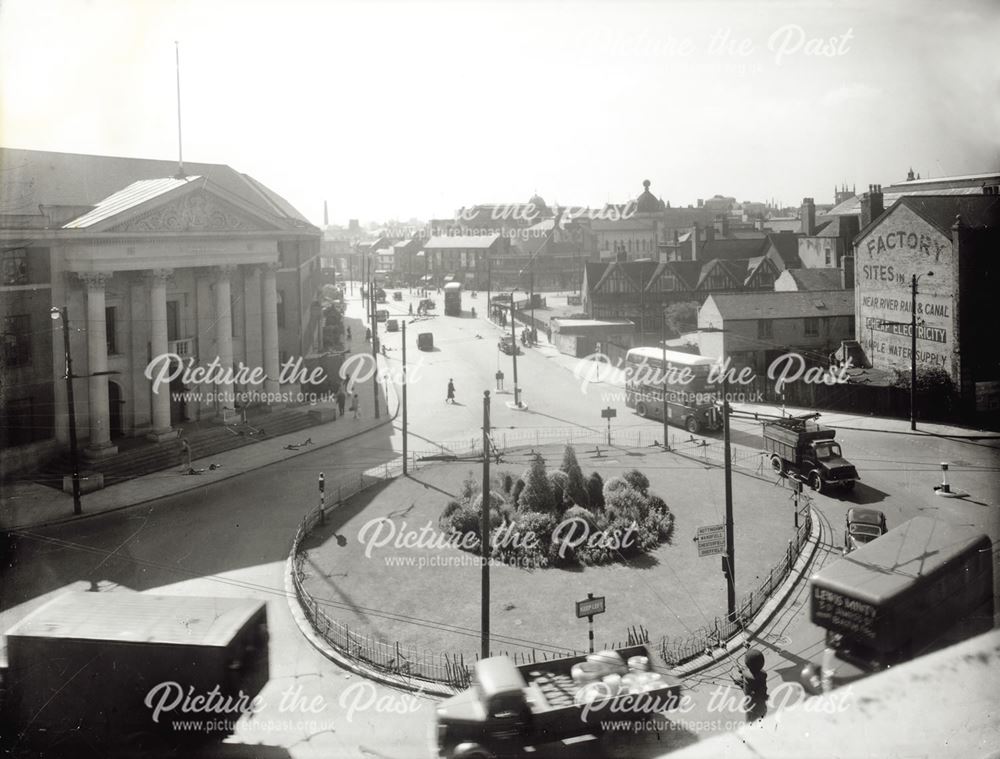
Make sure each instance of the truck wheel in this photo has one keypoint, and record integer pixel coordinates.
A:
(777, 464)
(641, 410)
(471, 751)
(816, 482)
(693, 425)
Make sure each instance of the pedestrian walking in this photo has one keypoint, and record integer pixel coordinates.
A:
(411, 309)
(451, 392)
(341, 399)
(499, 379)
(356, 406)
(368, 334)
(348, 334)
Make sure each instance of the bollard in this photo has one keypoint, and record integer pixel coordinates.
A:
(944, 489)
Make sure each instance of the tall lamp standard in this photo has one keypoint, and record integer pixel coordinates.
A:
(913, 346)
(62, 313)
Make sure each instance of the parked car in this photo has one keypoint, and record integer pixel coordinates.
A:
(381, 315)
(425, 341)
(392, 326)
(507, 345)
(398, 295)
(427, 304)
(862, 526)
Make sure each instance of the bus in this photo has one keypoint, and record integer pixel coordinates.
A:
(691, 403)
(453, 299)
(922, 586)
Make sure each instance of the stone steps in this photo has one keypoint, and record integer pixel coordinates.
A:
(205, 440)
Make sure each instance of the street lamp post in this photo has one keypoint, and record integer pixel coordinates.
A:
(56, 314)
(913, 347)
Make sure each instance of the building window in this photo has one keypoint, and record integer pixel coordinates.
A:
(111, 329)
(764, 329)
(173, 320)
(281, 309)
(16, 340)
(15, 267)
(812, 326)
(828, 257)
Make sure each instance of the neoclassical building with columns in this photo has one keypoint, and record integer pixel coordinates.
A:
(157, 272)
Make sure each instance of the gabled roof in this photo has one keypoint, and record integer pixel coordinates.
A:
(940, 211)
(33, 178)
(787, 246)
(689, 272)
(134, 195)
(816, 279)
(784, 305)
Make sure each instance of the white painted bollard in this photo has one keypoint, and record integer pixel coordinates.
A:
(944, 489)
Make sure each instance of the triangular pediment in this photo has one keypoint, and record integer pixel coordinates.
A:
(197, 210)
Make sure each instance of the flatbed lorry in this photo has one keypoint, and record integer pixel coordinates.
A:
(512, 709)
(799, 446)
(106, 669)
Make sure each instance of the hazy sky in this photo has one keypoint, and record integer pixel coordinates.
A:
(415, 109)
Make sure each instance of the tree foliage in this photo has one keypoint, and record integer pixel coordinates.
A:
(682, 317)
(537, 493)
(576, 488)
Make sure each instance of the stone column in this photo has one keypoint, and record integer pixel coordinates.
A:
(224, 333)
(158, 346)
(100, 445)
(269, 328)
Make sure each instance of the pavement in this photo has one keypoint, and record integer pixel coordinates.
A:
(28, 504)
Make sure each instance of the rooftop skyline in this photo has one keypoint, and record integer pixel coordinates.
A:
(400, 110)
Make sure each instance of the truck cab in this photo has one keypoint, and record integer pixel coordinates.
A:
(491, 717)
(800, 446)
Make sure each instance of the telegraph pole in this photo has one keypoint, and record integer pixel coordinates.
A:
(374, 328)
(729, 560)
(484, 530)
(404, 398)
(663, 336)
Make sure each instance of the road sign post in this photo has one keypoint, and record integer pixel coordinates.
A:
(609, 414)
(588, 608)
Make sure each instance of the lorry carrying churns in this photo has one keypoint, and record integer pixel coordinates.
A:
(510, 708)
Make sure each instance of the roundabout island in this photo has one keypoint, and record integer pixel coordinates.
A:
(396, 568)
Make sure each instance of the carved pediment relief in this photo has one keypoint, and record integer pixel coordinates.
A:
(198, 211)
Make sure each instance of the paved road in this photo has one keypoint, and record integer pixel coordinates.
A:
(232, 538)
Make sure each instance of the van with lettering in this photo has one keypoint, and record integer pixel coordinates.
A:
(921, 586)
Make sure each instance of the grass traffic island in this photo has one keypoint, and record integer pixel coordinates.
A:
(390, 564)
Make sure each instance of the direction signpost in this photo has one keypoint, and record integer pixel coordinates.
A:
(588, 608)
(609, 414)
(711, 540)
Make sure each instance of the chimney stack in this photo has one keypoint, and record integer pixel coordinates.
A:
(872, 204)
(807, 217)
(694, 242)
(710, 233)
(326, 215)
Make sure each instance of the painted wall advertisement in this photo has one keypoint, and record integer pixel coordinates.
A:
(887, 258)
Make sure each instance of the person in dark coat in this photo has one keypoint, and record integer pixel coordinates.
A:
(753, 681)
(451, 392)
(341, 400)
